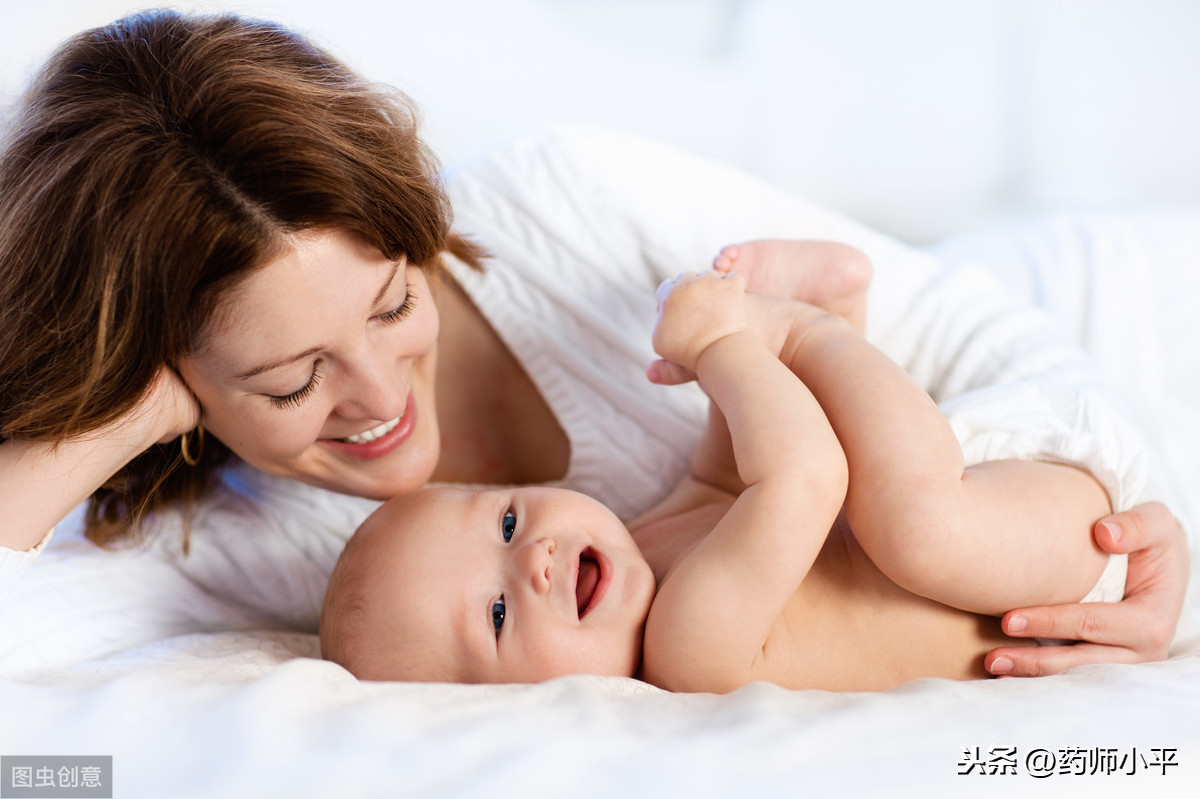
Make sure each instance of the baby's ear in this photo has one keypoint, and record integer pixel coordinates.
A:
(665, 373)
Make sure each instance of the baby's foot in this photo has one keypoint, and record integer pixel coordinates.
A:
(827, 274)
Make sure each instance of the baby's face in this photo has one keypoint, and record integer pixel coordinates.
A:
(508, 585)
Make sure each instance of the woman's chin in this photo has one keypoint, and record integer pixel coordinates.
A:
(406, 469)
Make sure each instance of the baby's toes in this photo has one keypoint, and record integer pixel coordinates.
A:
(726, 258)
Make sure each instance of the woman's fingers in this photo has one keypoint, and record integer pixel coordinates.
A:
(171, 402)
(1136, 629)
(1158, 572)
(1149, 528)
(1106, 623)
(1041, 661)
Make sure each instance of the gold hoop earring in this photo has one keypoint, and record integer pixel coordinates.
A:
(185, 442)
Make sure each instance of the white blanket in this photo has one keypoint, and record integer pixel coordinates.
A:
(120, 654)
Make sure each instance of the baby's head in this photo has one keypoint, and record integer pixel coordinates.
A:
(508, 585)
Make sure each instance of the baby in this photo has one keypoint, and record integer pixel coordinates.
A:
(827, 536)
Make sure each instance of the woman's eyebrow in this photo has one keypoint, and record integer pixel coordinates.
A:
(269, 365)
(387, 284)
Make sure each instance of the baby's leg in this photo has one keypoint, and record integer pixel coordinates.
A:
(1007, 534)
(987, 538)
(827, 274)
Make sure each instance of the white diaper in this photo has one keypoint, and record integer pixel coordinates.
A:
(1111, 585)
(1109, 588)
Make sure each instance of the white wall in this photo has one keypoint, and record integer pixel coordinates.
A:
(921, 117)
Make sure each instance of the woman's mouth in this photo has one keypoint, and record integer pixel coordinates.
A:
(375, 432)
(591, 580)
(380, 440)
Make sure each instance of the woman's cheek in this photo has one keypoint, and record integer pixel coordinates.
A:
(292, 434)
(273, 434)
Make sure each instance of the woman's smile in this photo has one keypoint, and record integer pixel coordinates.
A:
(378, 441)
(370, 435)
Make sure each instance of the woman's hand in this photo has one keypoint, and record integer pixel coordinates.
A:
(1137, 629)
(169, 406)
(166, 411)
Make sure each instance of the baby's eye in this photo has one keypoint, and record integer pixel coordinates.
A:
(508, 525)
(498, 615)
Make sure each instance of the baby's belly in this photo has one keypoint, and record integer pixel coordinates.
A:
(849, 628)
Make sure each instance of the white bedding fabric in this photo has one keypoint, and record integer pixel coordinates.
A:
(193, 698)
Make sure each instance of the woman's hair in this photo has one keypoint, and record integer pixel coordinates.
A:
(152, 166)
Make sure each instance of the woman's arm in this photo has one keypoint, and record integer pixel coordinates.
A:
(40, 482)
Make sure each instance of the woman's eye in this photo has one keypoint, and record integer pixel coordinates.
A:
(296, 397)
(508, 525)
(404, 310)
(498, 615)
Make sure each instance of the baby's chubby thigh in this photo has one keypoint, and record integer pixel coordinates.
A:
(852, 628)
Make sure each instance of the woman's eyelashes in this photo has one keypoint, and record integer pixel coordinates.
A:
(296, 397)
(300, 394)
(406, 307)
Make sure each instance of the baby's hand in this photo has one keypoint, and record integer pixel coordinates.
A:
(695, 310)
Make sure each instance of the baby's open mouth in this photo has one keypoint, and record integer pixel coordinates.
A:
(586, 582)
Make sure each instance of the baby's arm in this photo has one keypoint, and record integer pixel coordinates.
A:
(713, 613)
(986, 538)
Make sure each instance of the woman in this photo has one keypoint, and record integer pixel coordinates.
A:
(209, 221)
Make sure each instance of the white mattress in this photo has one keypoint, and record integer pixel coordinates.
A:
(120, 654)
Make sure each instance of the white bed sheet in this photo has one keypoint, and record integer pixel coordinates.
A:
(193, 698)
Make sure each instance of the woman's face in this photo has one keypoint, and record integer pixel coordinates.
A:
(320, 366)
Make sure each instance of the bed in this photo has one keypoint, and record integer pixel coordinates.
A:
(200, 692)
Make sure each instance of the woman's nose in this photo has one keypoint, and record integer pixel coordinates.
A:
(534, 561)
(375, 389)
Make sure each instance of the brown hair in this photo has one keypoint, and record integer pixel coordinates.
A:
(153, 165)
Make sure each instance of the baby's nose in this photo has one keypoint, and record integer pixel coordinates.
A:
(536, 559)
